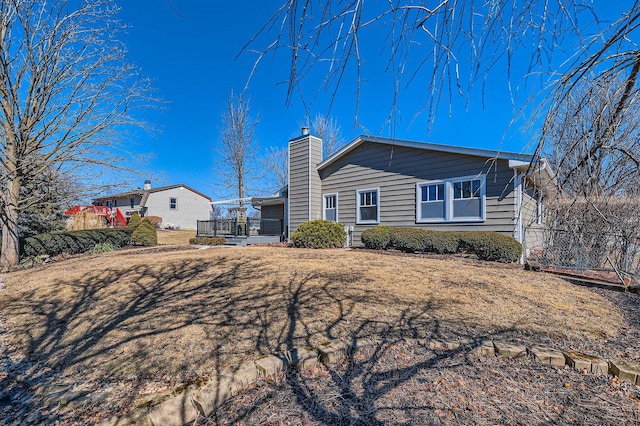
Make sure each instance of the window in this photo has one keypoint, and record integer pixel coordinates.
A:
(467, 201)
(132, 201)
(451, 200)
(368, 209)
(432, 202)
(173, 203)
(330, 210)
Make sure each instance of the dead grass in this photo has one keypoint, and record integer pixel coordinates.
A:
(179, 237)
(171, 316)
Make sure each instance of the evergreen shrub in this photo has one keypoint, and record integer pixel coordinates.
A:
(491, 246)
(319, 234)
(134, 221)
(73, 242)
(208, 241)
(377, 238)
(144, 235)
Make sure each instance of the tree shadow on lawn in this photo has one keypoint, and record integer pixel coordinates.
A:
(184, 319)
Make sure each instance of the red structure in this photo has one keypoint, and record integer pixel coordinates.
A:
(115, 218)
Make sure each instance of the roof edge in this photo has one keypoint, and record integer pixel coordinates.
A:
(477, 152)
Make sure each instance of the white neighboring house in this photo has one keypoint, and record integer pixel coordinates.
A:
(179, 206)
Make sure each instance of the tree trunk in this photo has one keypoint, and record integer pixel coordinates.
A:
(10, 256)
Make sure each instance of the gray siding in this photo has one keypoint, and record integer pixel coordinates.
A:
(396, 170)
(305, 196)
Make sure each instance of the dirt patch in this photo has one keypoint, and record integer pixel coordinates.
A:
(150, 320)
(402, 383)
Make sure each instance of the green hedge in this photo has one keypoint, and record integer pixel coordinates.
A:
(145, 234)
(73, 242)
(208, 241)
(490, 246)
(319, 234)
(378, 237)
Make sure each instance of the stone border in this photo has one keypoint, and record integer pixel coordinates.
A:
(193, 402)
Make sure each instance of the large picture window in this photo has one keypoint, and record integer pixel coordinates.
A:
(452, 200)
(330, 208)
(368, 209)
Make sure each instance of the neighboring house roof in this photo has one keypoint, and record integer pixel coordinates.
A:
(486, 153)
(145, 193)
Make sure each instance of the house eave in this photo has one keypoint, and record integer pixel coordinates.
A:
(477, 152)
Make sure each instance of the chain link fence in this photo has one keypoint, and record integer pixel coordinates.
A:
(596, 234)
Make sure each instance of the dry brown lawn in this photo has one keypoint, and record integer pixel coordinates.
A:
(175, 237)
(170, 316)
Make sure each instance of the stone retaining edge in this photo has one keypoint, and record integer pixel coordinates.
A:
(192, 403)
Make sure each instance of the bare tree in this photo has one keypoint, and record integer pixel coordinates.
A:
(65, 92)
(444, 48)
(592, 145)
(276, 161)
(592, 138)
(327, 129)
(237, 146)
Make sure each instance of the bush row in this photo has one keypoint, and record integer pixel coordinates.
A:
(319, 234)
(73, 241)
(208, 241)
(490, 246)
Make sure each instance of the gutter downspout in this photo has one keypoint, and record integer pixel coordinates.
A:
(518, 232)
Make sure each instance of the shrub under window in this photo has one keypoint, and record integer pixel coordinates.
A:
(319, 234)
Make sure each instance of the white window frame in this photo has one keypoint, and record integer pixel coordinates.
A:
(324, 205)
(419, 186)
(448, 200)
(367, 222)
(176, 203)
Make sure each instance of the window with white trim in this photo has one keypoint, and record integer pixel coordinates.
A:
(368, 206)
(432, 202)
(173, 203)
(330, 207)
(452, 200)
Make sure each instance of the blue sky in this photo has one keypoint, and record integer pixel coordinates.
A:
(190, 48)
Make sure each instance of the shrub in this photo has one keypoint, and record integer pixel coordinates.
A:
(73, 242)
(134, 221)
(491, 246)
(377, 238)
(156, 221)
(103, 248)
(408, 239)
(441, 242)
(144, 235)
(208, 241)
(319, 234)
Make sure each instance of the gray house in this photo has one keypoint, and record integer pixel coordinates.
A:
(179, 206)
(378, 181)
